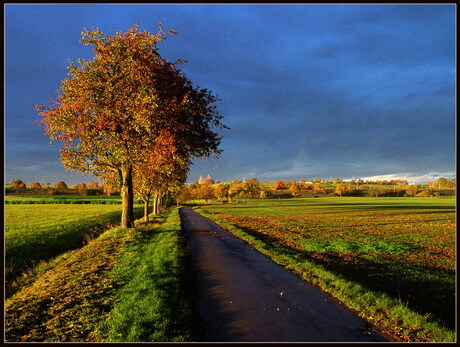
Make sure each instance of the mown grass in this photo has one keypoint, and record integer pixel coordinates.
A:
(152, 303)
(126, 285)
(390, 259)
(39, 232)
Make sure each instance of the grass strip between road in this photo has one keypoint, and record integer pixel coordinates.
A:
(390, 316)
(127, 285)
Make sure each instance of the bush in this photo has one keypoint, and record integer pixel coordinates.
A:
(425, 194)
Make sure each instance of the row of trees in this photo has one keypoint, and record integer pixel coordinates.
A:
(220, 191)
(60, 187)
(251, 188)
(19, 184)
(132, 118)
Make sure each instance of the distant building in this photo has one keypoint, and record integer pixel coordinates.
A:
(207, 180)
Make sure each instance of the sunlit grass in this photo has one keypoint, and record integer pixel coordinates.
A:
(38, 232)
(152, 304)
(126, 285)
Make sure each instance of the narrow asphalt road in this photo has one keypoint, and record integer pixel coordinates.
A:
(243, 296)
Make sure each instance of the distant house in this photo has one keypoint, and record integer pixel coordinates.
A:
(207, 180)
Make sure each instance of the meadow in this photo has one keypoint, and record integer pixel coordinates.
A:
(392, 260)
(125, 285)
(38, 232)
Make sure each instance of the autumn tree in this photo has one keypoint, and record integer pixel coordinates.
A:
(204, 191)
(280, 185)
(93, 185)
(412, 190)
(110, 109)
(317, 187)
(251, 188)
(183, 195)
(343, 189)
(17, 183)
(35, 185)
(441, 183)
(221, 191)
(60, 185)
(81, 186)
(450, 184)
(163, 172)
(294, 188)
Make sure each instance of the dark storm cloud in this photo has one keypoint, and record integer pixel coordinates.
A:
(308, 90)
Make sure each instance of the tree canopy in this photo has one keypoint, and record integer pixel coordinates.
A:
(113, 111)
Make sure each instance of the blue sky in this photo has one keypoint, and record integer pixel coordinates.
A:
(308, 90)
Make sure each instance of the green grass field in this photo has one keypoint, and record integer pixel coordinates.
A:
(126, 285)
(390, 259)
(42, 231)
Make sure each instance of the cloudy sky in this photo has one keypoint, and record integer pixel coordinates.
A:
(308, 90)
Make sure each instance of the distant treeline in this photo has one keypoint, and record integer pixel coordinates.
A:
(251, 188)
(18, 187)
(52, 191)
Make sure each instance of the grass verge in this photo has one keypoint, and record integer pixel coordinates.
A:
(36, 233)
(126, 285)
(389, 315)
(152, 303)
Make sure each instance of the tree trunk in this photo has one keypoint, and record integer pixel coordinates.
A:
(155, 205)
(146, 200)
(160, 204)
(127, 195)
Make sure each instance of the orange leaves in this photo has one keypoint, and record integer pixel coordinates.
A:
(128, 105)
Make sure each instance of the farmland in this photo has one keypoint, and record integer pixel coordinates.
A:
(392, 260)
(38, 232)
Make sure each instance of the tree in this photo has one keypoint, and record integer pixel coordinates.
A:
(35, 185)
(343, 189)
(204, 191)
(441, 183)
(60, 185)
(81, 186)
(17, 183)
(280, 185)
(184, 195)
(162, 172)
(450, 184)
(221, 191)
(251, 188)
(294, 189)
(108, 189)
(93, 185)
(111, 109)
(412, 191)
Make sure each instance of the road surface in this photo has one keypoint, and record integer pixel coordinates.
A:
(243, 296)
